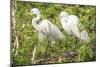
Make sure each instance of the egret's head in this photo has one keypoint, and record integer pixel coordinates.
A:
(63, 14)
(35, 11)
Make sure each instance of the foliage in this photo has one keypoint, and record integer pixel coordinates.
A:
(58, 53)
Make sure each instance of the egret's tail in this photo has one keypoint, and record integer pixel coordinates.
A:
(85, 37)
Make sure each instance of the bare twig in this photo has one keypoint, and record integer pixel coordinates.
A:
(33, 55)
(16, 43)
(40, 60)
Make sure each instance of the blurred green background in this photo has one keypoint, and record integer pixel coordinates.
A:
(59, 52)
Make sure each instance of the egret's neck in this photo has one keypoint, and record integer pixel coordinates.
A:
(35, 21)
(38, 16)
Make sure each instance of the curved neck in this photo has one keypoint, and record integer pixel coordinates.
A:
(38, 16)
(35, 21)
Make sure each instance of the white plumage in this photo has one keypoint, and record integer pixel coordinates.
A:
(45, 28)
(70, 25)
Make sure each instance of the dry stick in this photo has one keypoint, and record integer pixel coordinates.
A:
(14, 47)
(33, 55)
(40, 60)
(16, 43)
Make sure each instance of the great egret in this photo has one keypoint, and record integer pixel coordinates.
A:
(70, 25)
(45, 28)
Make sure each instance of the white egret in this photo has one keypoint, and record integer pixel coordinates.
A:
(70, 25)
(45, 28)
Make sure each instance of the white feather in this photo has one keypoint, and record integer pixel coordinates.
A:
(45, 28)
(70, 25)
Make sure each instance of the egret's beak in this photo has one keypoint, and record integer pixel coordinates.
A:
(31, 12)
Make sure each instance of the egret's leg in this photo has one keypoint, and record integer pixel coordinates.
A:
(76, 42)
(76, 39)
(49, 43)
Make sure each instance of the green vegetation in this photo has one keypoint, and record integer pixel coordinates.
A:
(59, 52)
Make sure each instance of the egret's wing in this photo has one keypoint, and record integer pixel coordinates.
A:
(54, 31)
(73, 22)
(75, 31)
(73, 19)
(64, 19)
